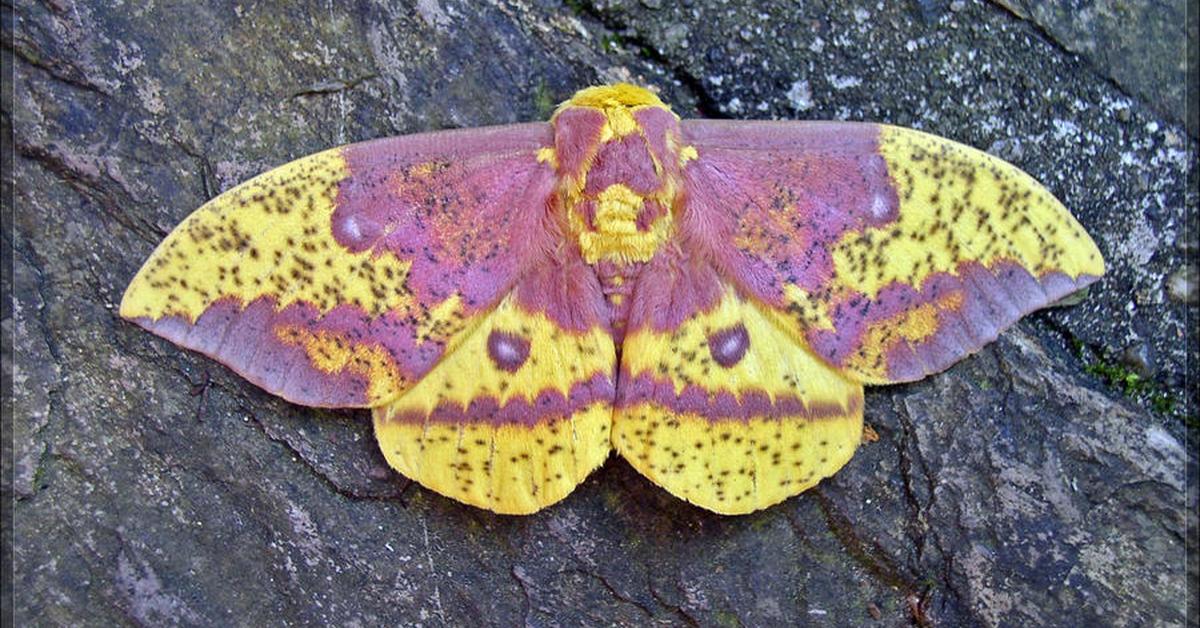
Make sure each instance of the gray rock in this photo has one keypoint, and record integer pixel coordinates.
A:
(155, 487)
(1181, 285)
(1147, 46)
(1008, 149)
(1140, 358)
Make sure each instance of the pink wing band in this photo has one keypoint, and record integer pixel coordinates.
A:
(462, 206)
(245, 341)
(722, 405)
(990, 300)
(528, 413)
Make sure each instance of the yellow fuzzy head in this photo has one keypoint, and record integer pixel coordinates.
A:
(613, 97)
(617, 103)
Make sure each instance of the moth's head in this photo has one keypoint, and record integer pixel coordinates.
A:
(602, 114)
(618, 151)
(620, 95)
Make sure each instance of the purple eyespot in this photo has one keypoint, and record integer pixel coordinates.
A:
(508, 351)
(729, 345)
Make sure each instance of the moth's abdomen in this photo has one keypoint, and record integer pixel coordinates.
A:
(617, 282)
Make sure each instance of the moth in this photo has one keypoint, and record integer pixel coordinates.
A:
(708, 298)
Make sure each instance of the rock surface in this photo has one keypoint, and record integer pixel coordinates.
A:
(155, 487)
(1142, 44)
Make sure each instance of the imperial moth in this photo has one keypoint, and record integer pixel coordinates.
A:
(708, 298)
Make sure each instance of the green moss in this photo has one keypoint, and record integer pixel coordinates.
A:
(578, 7)
(544, 102)
(726, 618)
(610, 43)
(1075, 298)
(1122, 378)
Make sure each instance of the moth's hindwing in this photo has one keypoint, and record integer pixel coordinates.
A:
(729, 412)
(513, 419)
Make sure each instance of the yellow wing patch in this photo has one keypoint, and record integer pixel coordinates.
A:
(513, 418)
(509, 469)
(269, 236)
(730, 412)
(556, 360)
(913, 326)
(333, 353)
(738, 466)
(959, 204)
(774, 363)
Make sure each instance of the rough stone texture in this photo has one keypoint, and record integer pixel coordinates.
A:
(1141, 44)
(155, 487)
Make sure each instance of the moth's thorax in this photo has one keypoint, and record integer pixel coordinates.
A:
(618, 154)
